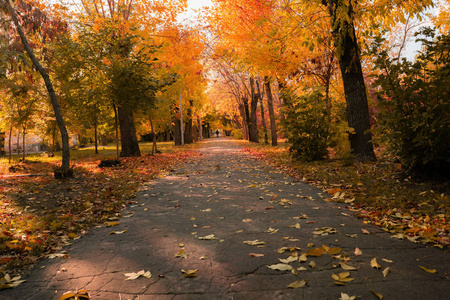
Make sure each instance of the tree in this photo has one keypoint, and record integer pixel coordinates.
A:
(65, 170)
(347, 50)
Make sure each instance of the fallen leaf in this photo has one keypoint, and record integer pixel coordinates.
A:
(208, 237)
(297, 225)
(272, 230)
(302, 269)
(358, 251)
(386, 271)
(256, 255)
(302, 257)
(247, 220)
(432, 271)
(379, 296)
(133, 276)
(388, 260)
(347, 297)
(118, 232)
(290, 259)
(374, 263)
(314, 252)
(297, 284)
(280, 267)
(109, 224)
(365, 231)
(203, 257)
(182, 254)
(310, 245)
(312, 264)
(346, 267)
(206, 210)
(7, 282)
(352, 235)
(254, 243)
(189, 273)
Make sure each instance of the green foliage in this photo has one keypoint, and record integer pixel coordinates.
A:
(415, 107)
(307, 127)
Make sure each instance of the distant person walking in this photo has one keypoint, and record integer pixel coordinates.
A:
(217, 132)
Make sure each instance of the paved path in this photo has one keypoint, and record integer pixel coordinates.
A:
(236, 198)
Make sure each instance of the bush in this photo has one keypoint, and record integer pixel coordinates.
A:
(414, 118)
(237, 134)
(306, 127)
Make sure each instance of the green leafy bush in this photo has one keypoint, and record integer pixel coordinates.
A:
(414, 119)
(306, 127)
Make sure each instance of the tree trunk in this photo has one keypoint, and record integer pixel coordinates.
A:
(96, 136)
(281, 86)
(347, 51)
(200, 130)
(65, 166)
(273, 126)
(24, 131)
(9, 144)
(116, 127)
(177, 131)
(128, 138)
(154, 148)
(263, 117)
(247, 120)
(253, 128)
(243, 113)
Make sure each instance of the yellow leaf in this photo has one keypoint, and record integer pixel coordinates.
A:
(296, 225)
(189, 273)
(347, 297)
(374, 263)
(365, 231)
(109, 224)
(302, 258)
(314, 252)
(182, 254)
(388, 260)
(208, 237)
(432, 271)
(133, 276)
(312, 264)
(344, 275)
(347, 267)
(358, 251)
(334, 250)
(118, 232)
(335, 277)
(386, 271)
(379, 296)
(310, 245)
(280, 267)
(289, 259)
(297, 284)
(254, 243)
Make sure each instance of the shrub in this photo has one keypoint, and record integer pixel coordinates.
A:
(306, 127)
(237, 134)
(414, 118)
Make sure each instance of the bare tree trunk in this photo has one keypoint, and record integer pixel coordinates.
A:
(253, 130)
(154, 148)
(9, 144)
(273, 126)
(263, 117)
(128, 138)
(96, 135)
(347, 49)
(23, 142)
(65, 166)
(116, 127)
